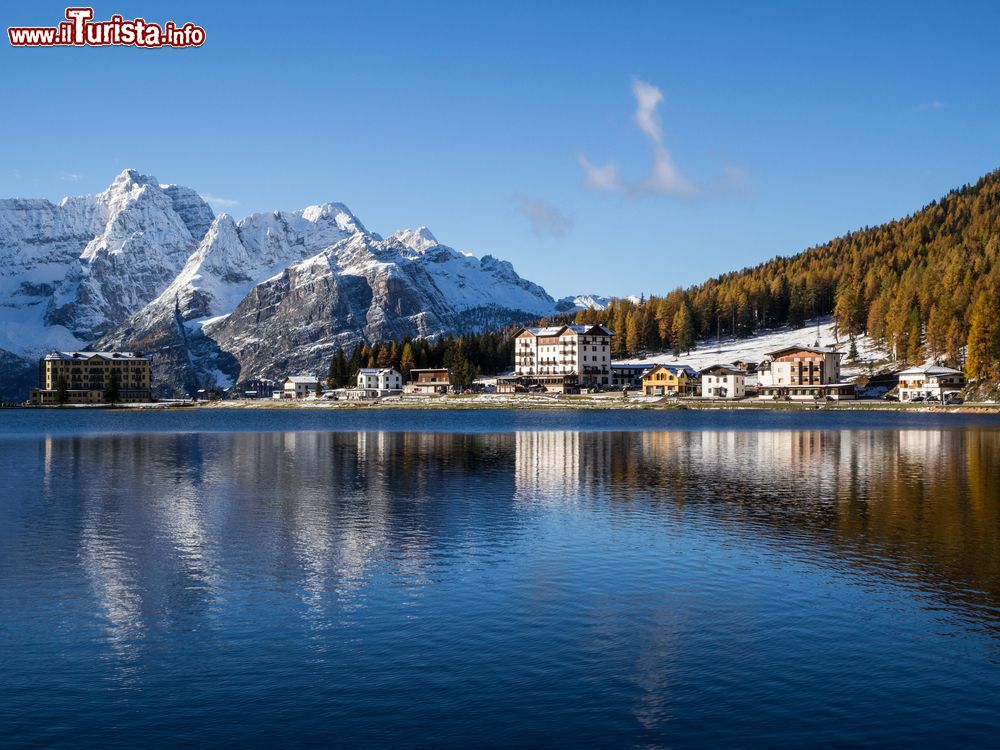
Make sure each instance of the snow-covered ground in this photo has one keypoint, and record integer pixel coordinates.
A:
(755, 349)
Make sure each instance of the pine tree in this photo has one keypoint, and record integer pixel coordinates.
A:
(336, 375)
(983, 353)
(111, 393)
(683, 330)
(631, 334)
(61, 395)
(406, 361)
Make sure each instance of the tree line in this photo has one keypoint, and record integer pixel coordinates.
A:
(466, 357)
(926, 286)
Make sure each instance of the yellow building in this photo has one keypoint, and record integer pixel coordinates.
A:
(671, 380)
(91, 378)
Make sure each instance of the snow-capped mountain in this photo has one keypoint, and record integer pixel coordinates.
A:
(275, 293)
(148, 267)
(70, 272)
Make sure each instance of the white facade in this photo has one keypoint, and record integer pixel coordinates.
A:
(930, 380)
(723, 381)
(584, 351)
(298, 386)
(380, 379)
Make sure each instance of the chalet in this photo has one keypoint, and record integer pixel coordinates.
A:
(563, 358)
(723, 381)
(429, 381)
(929, 381)
(802, 373)
(299, 386)
(671, 380)
(90, 377)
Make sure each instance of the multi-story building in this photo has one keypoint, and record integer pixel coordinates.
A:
(93, 378)
(800, 372)
(258, 388)
(671, 380)
(723, 381)
(929, 380)
(628, 375)
(379, 381)
(563, 357)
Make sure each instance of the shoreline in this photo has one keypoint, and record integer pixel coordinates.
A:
(609, 402)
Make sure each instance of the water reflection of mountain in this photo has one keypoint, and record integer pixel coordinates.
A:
(162, 527)
(160, 524)
(920, 503)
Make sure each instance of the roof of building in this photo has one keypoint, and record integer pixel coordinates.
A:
(732, 369)
(429, 369)
(301, 379)
(631, 366)
(102, 355)
(934, 370)
(677, 369)
(370, 371)
(804, 348)
(581, 330)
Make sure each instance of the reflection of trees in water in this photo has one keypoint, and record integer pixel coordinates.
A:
(929, 499)
(167, 521)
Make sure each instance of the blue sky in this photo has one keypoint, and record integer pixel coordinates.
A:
(599, 148)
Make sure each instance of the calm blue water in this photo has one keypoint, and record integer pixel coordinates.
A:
(499, 578)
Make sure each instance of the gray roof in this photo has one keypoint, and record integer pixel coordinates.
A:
(934, 370)
(577, 328)
(91, 355)
(803, 347)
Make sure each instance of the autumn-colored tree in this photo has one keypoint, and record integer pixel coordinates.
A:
(982, 358)
(406, 360)
(683, 330)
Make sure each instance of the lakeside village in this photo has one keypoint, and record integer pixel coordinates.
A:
(561, 359)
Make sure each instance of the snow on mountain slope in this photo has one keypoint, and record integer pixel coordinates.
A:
(283, 290)
(148, 267)
(71, 271)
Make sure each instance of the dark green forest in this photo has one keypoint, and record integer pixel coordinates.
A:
(466, 356)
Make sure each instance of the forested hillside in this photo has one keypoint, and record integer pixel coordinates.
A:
(924, 286)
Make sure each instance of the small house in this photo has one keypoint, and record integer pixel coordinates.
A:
(723, 381)
(671, 380)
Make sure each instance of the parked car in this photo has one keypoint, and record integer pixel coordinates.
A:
(890, 397)
(917, 399)
(954, 400)
(933, 397)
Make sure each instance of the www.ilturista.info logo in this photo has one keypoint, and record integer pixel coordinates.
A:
(80, 30)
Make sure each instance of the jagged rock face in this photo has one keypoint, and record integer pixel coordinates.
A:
(72, 271)
(147, 267)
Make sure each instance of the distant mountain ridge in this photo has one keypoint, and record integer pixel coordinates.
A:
(216, 300)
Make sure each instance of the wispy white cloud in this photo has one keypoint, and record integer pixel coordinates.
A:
(218, 203)
(664, 176)
(69, 177)
(599, 178)
(544, 218)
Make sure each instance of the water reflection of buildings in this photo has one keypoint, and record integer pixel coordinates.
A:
(325, 514)
(929, 499)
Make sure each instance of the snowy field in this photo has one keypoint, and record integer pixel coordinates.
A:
(755, 349)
